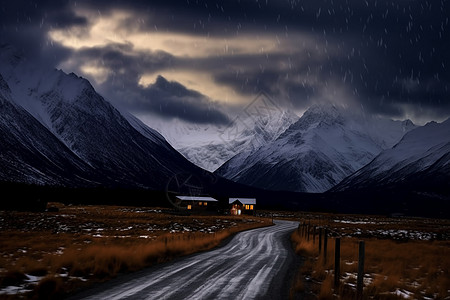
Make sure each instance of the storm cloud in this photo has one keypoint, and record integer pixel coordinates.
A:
(117, 69)
(199, 60)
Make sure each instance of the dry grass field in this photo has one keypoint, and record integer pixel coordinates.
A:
(50, 254)
(405, 258)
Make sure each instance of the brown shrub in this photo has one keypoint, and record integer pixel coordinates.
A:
(48, 288)
(12, 278)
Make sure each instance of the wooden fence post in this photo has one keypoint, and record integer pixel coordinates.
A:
(337, 262)
(360, 279)
(314, 235)
(325, 242)
(320, 240)
(301, 229)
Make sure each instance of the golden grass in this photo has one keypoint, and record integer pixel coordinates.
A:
(81, 245)
(101, 261)
(419, 267)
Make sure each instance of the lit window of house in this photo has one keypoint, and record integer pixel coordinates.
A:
(189, 206)
(200, 203)
(247, 205)
(205, 203)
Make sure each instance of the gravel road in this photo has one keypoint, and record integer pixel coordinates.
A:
(254, 264)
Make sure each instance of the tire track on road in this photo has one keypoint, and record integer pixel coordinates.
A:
(244, 268)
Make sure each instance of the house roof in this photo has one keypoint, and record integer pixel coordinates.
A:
(242, 200)
(197, 198)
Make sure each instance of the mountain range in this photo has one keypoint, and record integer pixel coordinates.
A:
(419, 161)
(57, 130)
(210, 146)
(327, 144)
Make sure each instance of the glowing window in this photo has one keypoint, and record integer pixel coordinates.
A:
(205, 203)
(200, 203)
(247, 206)
(251, 207)
(189, 206)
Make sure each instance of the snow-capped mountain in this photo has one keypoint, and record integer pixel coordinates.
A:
(327, 144)
(420, 160)
(65, 117)
(209, 146)
(30, 153)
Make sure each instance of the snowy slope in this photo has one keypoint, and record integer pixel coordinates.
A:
(422, 156)
(89, 126)
(210, 146)
(324, 146)
(30, 153)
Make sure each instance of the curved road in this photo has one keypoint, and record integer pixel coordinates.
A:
(253, 265)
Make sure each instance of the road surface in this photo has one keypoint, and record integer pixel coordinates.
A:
(253, 265)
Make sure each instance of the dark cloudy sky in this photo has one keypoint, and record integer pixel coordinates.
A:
(201, 61)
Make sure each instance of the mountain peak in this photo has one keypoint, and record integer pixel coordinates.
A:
(407, 122)
(169, 88)
(321, 114)
(161, 81)
(408, 125)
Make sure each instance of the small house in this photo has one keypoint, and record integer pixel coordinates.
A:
(197, 203)
(239, 206)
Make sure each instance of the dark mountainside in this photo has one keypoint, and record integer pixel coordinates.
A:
(61, 141)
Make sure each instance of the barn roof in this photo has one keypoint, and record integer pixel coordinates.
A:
(242, 200)
(196, 198)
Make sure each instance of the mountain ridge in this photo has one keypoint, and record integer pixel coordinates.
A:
(118, 153)
(28, 149)
(210, 146)
(324, 146)
(409, 162)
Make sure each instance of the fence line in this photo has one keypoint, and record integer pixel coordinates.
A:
(304, 230)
